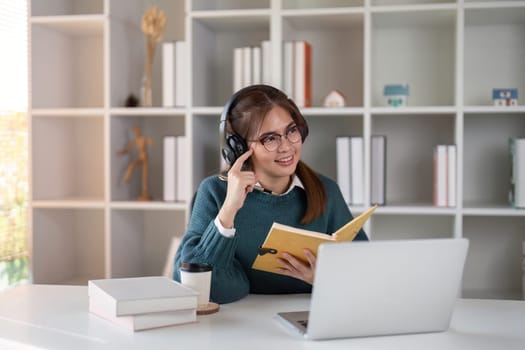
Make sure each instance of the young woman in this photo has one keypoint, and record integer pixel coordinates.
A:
(267, 183)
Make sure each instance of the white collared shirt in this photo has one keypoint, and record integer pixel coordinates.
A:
(230, 232)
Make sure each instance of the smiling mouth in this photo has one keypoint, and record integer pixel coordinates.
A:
(285, 160)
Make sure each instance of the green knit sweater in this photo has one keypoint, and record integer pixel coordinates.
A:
(232, 258)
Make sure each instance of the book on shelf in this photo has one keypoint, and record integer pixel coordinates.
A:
(144, 321)
(237, 69)
(284, 238)
(140, 295)
(288, 68)
(256, 65)
(451, 175)
(378, 169)
(266, 59)
(173, 74)
(350, 166)
(302, 89)
(445, 176)
(176, 170)
(246, 66)
(517, 179)
(357, 167)
(343, 167)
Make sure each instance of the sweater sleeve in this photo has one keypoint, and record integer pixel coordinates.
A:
(203, 243)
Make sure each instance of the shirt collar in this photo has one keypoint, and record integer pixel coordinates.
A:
(296, 181)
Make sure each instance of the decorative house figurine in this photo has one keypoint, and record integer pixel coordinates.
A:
(334, 99)
(396, 95)
(505, 97)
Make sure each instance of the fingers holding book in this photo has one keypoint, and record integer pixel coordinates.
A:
(293, 267)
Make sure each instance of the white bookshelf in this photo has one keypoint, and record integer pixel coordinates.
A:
(452, 53)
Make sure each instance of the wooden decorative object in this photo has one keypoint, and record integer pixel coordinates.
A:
(140, 143)
(153, 26)
(210, 308)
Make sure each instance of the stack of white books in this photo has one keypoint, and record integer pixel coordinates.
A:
(142, 302)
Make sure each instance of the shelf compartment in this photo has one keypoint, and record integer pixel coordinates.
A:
(332, 32)
(485, 66)
(319, 150)
(206, 5)
(71, 57)
(494, 262)
(147, 235)
(67, 245)
(127, 46)
(410, 142)
(153, 126)
(405, 3)
(486, 160)
(214, 40)
(68, 158)
(415, 48)
(408, 226)
(320, 4)
(66, 7)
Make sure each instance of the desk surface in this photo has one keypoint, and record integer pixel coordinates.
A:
(57, 317)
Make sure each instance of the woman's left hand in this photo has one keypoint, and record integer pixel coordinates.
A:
(293, 267)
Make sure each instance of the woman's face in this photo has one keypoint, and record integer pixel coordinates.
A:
(275, 167)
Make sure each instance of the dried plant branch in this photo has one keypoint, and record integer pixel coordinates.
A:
(153, 26)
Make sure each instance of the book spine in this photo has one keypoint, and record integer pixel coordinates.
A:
(378, 170)
(180, 73)
(246, 66)
(302, 66)
(288, 68)
(451, 175)
(237, 69)
(256, 65)
(183, 192)
(266, 54)
(357, 163)
(170, 168)
(440, 176)
(168, 74)
(343, 166)
(519, 172)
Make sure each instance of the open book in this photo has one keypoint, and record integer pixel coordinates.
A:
(284, 238)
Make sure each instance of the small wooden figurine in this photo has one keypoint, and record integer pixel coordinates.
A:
(140, 142)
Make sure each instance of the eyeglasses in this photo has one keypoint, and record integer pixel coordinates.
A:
(272, 141)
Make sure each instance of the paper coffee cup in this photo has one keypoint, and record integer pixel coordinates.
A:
(197, 276)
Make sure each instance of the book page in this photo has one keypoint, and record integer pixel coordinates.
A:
(350, 230)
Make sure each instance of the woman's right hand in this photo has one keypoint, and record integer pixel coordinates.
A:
(240, 183)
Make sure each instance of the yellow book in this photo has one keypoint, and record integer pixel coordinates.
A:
(284, 238)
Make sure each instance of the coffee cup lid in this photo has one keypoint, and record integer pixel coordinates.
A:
(195, 267)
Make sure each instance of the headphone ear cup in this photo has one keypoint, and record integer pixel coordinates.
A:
(235, 147)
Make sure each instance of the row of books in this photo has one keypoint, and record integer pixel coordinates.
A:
(176, 169)
(141, 303)
(252, 65)
(517, 179)
(350, 167)
(174, 74)
(445, 176)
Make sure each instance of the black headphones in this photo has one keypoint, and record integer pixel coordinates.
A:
(233, 144)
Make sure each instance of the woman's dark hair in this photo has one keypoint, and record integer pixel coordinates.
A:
(245, 118)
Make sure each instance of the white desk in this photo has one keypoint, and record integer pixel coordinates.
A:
(57, 317)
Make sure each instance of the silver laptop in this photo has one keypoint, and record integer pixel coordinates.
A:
(381, 288)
